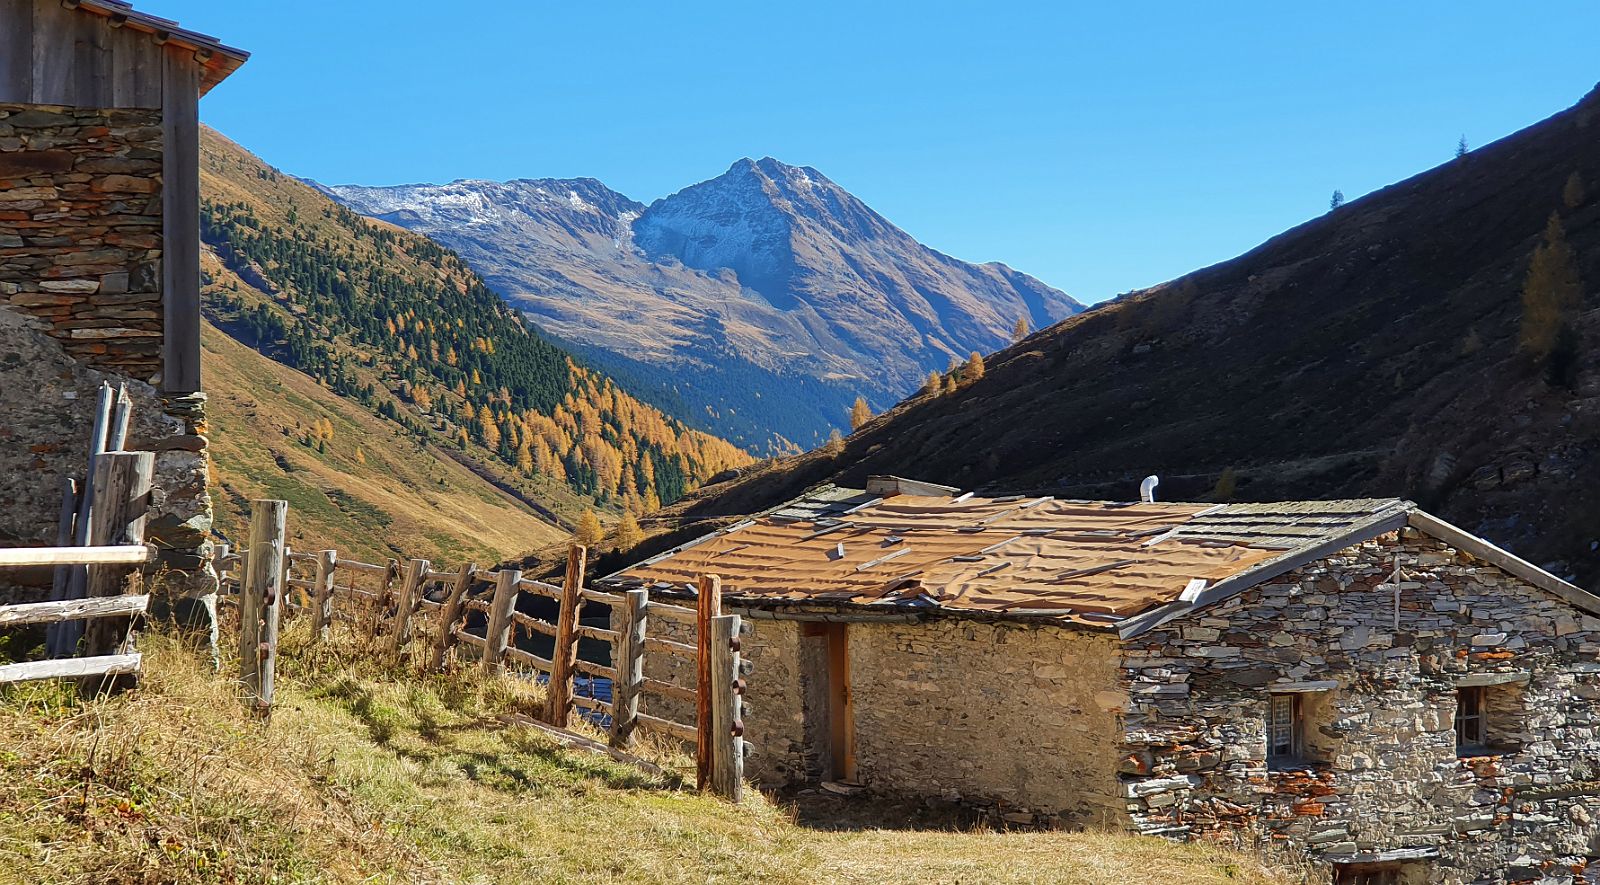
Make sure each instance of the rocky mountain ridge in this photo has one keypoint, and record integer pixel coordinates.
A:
(758, 304)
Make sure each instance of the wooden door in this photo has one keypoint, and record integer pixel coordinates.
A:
(841, 710)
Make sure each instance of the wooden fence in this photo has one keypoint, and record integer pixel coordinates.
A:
(107, 568)
(483, 610)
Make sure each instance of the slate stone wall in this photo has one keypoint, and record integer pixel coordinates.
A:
(80, 230)
(80, 302)
(1382, 779)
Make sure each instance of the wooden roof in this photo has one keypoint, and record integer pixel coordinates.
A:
(1092, 562)
(217, 59)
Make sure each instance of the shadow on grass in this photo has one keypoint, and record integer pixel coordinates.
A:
(530, 763)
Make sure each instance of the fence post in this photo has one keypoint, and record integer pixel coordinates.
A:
(558, 700)
(322, 601)
(123, 480)
(410, 599)
(708, 608)
(260, 601)
(452, 613)
(498, 632)
(727, 741)
(629, 665)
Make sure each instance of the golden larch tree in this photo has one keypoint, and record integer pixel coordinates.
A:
(1551, 294)
(628, 532)
(860, 413)
(589, 533)
(974, 368)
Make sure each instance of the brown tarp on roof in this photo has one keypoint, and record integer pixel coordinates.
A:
(1092, 562)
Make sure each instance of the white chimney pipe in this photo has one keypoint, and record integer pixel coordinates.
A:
(1147, 489)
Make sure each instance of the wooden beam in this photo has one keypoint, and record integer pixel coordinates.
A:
(123, 480)
(568, 739)
(499, 630)
(410, 600)
(322, 594)
(452, 613)
(709, 608)
(117, 554)
(629, 619)
(558, 701)
(180, 225)
(51, 612)
(70, 668)
(727, 723)
(260, 601)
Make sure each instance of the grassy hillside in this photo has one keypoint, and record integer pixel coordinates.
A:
(393, 322)
(369, 490)
(358, 778)
(1381, 349)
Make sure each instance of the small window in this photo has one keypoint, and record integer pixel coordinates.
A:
(1470, 720)
(1379, 874)
(1284, 730)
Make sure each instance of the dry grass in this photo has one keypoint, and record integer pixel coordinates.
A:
(364, 777)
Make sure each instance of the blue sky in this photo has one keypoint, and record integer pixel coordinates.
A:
(1100, 147)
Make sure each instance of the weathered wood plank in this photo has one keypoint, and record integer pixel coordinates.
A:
(498, 633)
(51, 612)
(114, 554)
(70, 668)
(123, 500)
(727, 726)
(681, 649)
(452, 613)
(628, 677)
(602, 598)
(594, 704)
(260, 601)
(534, 624)
(410, 596)
(599, 671)
(568, 739)
(540, 588)
(678, 613)
(322, 594)
(558, 701)
(180, 224)
(709, 608)
(528, 659)
(669, 689)
(598, 634)
(667, 727)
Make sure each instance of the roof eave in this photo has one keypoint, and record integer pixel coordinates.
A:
(218, 59)
(1463, 540)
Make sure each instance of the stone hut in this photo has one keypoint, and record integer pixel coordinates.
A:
(100, 262)
(1357, 683)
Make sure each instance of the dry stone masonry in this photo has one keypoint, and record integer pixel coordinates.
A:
(1379, 641)
(80, 230)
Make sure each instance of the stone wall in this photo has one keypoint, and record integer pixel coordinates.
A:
(80, 230)
(80, 303)
(1010, 717)
(1013, 715)
(1382, 778)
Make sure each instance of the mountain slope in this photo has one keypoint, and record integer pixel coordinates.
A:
(764, 300)
(1372, 351)
(369, 490)
(395, 324)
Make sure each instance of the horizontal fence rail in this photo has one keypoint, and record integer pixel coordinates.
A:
(487, 614)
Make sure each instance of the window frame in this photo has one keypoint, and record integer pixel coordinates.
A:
(1472, 728)
(1295, 755)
